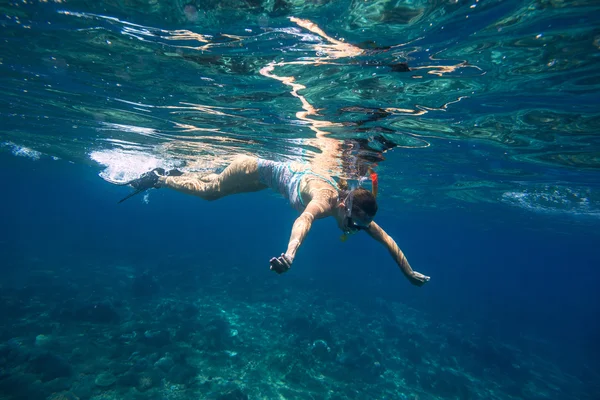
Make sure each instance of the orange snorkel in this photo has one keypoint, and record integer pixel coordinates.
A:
(374, 181)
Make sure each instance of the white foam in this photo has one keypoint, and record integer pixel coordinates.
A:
(553, 200)
(22, 151)
(125, 165)
(130, 128)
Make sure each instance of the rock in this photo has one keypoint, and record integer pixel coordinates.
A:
(320, 349)
(181, 374)
(156, 338)
(22, 386)
(100, 313)
(144, 285)
(165, 364)
(58, 385)
(235, 394)
(13, 353)
(217, 335)
(105, 380)
(128, 379)
(84, 387)
(49, 366)
(63, 396)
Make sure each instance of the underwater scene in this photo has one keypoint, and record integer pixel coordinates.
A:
(285, 199)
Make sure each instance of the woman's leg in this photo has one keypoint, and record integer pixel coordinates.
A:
(240, 176)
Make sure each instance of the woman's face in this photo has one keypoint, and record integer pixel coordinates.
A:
(352, 222)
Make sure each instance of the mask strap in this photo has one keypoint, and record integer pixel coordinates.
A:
(348, 212)
(348, 203)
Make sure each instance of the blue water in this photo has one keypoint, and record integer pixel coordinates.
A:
(489, 183)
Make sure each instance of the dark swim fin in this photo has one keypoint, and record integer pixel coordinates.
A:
(135, 183)
(148, 180)
(132, 194)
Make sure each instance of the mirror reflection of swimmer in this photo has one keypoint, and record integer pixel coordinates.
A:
(314, 195)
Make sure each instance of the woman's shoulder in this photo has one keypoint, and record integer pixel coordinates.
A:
(316, 187)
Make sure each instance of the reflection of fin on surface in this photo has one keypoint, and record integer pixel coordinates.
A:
(400, 67)
(372, 45)
(373, 114)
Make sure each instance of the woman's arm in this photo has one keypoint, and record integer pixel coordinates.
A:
(377, 233)
(317, 208)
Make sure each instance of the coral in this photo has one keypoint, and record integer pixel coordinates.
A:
(43, 341)
(235, 394)
(145, 382)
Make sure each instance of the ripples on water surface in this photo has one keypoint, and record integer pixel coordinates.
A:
(485, 101)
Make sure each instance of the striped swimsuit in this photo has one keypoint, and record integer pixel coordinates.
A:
(280, 177)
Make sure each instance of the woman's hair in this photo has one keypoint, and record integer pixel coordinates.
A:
(363, 201)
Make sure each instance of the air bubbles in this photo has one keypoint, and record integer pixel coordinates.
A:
(263, 21)
(191, 13)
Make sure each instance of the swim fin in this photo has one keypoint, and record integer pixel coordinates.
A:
(148, 180)
(132, 194)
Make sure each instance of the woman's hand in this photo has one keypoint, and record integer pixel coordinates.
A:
(280, 264)
(418, 279)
